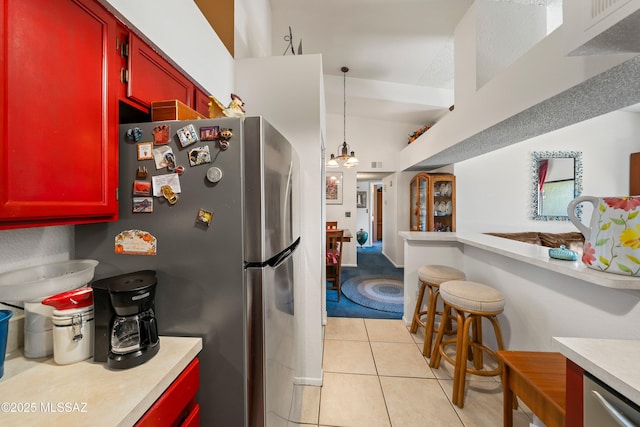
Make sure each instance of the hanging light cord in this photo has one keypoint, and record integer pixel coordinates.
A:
(344, 101)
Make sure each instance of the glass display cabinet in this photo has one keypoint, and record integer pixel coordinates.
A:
(433, 202)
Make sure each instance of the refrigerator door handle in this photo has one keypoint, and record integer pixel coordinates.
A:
(279, 258)
(275, 260)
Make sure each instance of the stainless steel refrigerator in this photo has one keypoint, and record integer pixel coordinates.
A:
(224, 253)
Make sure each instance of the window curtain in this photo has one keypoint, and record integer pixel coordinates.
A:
(543, 167)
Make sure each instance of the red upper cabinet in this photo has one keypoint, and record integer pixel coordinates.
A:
(152, 78)
(58, 118)
(201, 104)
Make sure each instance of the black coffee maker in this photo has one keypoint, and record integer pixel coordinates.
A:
(126, 331)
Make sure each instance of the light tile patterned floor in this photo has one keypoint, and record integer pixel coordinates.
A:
(375, 375)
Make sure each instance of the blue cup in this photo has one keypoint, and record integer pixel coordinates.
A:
(5, 315)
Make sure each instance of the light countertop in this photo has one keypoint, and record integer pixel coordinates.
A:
(527, 253)
(37, 392)
(612, 361)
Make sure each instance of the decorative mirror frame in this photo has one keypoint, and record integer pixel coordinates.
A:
(577, 188)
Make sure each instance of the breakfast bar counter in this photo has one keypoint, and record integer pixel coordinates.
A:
(544, 297)
(37, 392)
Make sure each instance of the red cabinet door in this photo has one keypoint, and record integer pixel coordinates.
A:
(152, 78)
(201, 104)
(177, 405)
(58, 118)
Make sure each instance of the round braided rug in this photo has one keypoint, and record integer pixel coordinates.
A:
(379, 293)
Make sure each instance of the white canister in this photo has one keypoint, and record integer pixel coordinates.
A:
(72, 335)
(38, 336)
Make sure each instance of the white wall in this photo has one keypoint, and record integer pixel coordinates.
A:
(506, 30)
(494, 190)
(252, 34)
(542, 73)
(264, 84)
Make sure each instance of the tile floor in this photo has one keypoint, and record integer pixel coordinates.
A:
(375, 375)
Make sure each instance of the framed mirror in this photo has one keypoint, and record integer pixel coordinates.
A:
(556, 180)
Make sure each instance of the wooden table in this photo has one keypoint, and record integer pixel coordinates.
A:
(346, 237)
(539, 380)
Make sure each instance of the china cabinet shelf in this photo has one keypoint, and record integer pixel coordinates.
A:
(433, 202)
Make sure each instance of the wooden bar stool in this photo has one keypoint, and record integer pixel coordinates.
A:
(430, 278)
(471, 301)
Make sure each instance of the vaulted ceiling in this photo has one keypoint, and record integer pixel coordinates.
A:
(400, 52)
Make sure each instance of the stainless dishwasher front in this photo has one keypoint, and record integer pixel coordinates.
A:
(604, 407)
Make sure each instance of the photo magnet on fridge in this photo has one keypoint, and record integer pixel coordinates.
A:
(199, 156)
(142, 204)
(141, 188)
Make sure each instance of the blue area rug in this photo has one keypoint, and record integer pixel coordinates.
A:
(379, 293)
(371, 262)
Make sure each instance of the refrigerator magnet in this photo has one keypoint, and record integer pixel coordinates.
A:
(209, 133)
(144, 151)
(142, 172)
(168, 194)
(141, 188)
(199, 156)
(161, 134)
(142, 204)
(187, 135)
(170, 179)
(170, 158)
(135, 242)
(159, 155)
(134, 134)
(205, 217)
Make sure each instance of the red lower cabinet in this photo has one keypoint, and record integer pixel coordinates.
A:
(574, 397)
(177, 406)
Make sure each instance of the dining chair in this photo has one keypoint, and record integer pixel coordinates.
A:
(334, 259)
(332, 225)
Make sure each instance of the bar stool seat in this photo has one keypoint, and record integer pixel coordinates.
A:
(430, 278)
(472, 302)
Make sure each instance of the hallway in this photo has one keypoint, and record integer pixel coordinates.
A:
(375, 375)
(371, 262)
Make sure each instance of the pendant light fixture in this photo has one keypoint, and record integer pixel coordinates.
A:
(346, 157)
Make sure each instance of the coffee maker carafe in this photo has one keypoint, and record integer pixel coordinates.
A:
(126, 331)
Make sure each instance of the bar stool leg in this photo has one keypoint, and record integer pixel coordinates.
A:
(416, 313)
(431, 320)
(478, 358)
(461, 359)
(434, 362)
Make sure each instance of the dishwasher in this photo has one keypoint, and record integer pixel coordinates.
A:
(605, 407)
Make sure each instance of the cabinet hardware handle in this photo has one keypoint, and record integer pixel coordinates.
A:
(617, 415)
(124, 75)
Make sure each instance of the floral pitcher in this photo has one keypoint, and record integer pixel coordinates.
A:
(612, 244)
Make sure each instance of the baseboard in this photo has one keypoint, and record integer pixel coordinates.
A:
(349, 265)
(309, 381)
(391, 261)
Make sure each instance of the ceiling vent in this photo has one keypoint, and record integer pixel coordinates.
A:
(376, 165)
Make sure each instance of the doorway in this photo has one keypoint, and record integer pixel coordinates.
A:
(379, 210)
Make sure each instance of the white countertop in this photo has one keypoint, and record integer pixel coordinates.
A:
(528, 253)
(614, 362)
(90, 393)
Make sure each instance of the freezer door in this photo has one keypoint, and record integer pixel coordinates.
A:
(271, 350)
(271, 185)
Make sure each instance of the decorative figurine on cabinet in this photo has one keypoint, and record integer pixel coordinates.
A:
(235, 108)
